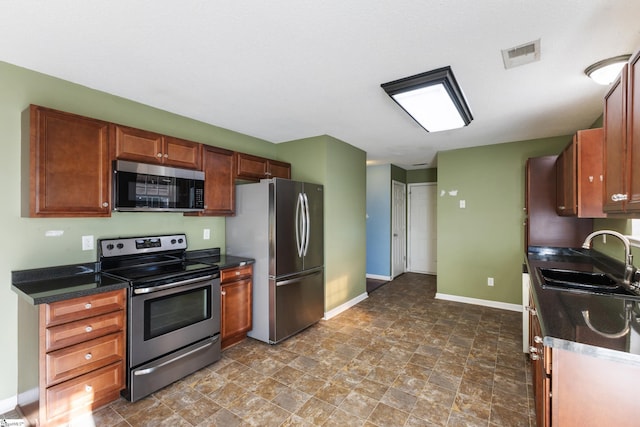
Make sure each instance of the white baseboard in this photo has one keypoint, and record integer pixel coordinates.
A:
(346, 306)
(378, 277)
(8, 404)
(483, 302)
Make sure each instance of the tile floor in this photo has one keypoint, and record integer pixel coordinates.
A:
(399, 358)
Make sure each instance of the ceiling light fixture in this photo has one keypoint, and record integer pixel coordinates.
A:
(606, 71)
(433, 99)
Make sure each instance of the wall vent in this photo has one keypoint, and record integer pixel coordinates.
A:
(521, 55)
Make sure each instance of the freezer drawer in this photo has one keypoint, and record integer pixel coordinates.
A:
(296, 302)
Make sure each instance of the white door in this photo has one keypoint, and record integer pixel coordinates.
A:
(422, 237)
(399, 228)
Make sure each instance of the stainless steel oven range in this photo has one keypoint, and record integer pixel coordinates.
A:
(173, 317)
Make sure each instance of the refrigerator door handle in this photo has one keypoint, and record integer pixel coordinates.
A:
(308, 223)
(299, 225)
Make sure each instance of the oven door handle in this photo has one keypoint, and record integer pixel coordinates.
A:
(151, 289)
(175, 359)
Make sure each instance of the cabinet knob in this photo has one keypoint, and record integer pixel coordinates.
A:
(105, 204)
(166, 156)
(590, 178)
(88, 388)
(223, 293)
(237, 273)
(534, 356)
(88, 329)
(87, 305)
(532, 349)
(88, 356)
(537, 339)
(618, 197)
(561, 208)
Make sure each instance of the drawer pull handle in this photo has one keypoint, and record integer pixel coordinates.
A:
(537, 339)
(532, 350)
(88, 388)
(534, 356)
(88, 329)
(88, 356)
(87, 305)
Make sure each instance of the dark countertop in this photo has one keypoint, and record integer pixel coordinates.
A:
(560, 312)
(213, 256)
(51, 284)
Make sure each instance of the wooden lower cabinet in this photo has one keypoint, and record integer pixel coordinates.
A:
(236, 304)
(81, 357)
(540, 357)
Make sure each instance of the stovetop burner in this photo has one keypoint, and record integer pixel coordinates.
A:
(150, 261)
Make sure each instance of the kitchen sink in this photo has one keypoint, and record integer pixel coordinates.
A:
(592, 282)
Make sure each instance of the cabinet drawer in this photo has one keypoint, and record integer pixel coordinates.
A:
(83, 307)
(81, 358)
(231, 274)
(57, 337)
(88, 391)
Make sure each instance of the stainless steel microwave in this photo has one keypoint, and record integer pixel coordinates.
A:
(142, 187)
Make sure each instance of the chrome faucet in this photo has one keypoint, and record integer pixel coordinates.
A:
(629, 269)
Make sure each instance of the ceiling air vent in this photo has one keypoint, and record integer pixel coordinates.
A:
(520, 55)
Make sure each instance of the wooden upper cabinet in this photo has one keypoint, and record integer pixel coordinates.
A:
(219, 177)
(633, 133)
(70, 170)
(254, 168)
(143, 146)
(615, 144)
(580, 176)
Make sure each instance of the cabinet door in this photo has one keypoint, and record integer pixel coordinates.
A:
(540, 369)
(70, 171)
(633, 133)
(236, 307)
(589, 154)
(137, 145)
(615, 165)
(219, 188)
(566, 188)
(250, 167)
(181, 153)
(279, 169)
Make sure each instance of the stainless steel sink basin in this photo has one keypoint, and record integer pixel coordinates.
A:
(597, 283)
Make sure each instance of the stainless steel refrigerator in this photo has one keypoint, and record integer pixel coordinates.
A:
(279, 223)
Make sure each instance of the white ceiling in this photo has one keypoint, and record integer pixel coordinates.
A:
(288, 69)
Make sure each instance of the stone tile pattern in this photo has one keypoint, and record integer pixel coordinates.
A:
(399, 358)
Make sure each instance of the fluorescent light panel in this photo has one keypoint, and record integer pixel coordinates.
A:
(433, 99)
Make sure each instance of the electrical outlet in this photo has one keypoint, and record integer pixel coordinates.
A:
(87, 243)
(206, 234)
(489, 281)
(463, 204)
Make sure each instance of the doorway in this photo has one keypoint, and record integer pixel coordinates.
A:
(398, 229)
(422, 235)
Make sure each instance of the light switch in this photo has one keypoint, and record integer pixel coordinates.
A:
(463, 204)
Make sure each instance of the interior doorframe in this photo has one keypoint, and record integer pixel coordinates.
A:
(431, 185)
(400, 246)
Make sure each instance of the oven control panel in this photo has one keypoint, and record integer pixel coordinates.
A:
(141, 245)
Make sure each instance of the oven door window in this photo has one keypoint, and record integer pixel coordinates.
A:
(175, 311)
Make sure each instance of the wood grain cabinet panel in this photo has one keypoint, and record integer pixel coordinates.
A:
(236, 304)
(149, 147)
(218, 165)
(82, 330)
(580, 176)
(83, 307)
(255, 168)
(70, 168)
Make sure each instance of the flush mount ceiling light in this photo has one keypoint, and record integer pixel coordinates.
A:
(605, 72)
(433, 99)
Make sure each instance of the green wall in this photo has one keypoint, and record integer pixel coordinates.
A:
(486, 239)
(27, 247)
(415, 176)
(342, 169)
